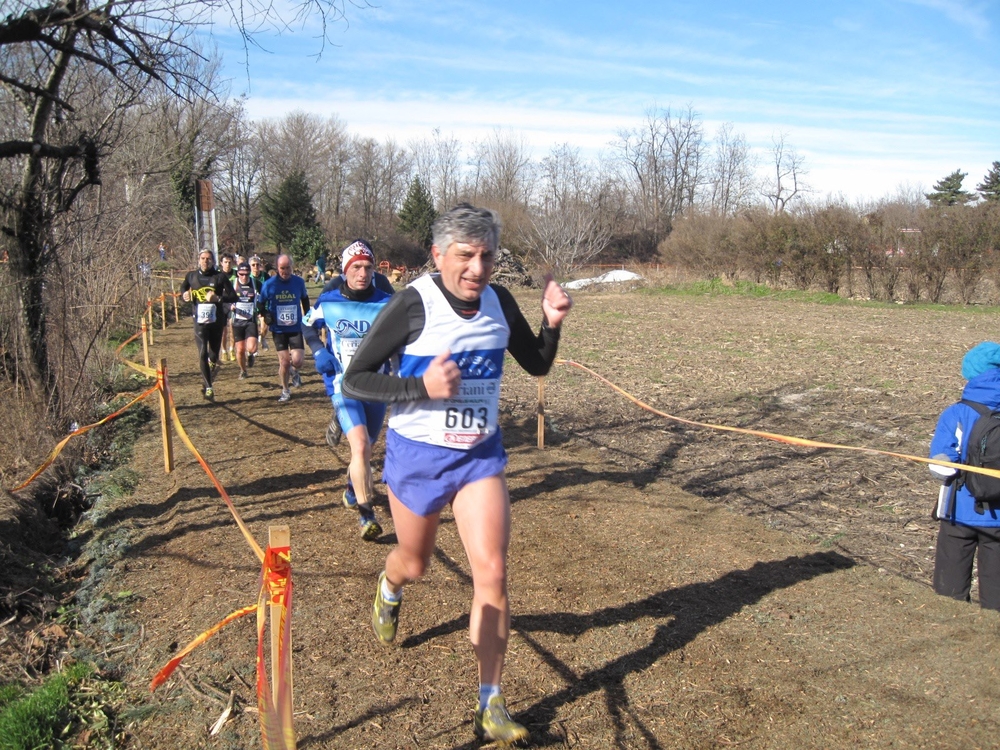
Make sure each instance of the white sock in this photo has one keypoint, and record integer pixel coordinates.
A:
(388, 595)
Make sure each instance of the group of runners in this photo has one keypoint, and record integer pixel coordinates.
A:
(434, 352)
(239, 307)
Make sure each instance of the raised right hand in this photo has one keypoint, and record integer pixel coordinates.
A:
(442, 377)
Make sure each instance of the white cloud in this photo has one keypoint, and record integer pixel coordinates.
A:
(971, 16)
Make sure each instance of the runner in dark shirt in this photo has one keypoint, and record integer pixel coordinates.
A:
(244, 318)
(207, 289)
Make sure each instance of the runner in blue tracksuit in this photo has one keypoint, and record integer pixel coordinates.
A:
(347, 313)
(284, 301)
(965, 524)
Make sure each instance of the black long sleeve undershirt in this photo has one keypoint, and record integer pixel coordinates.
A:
(401, 322)
(216, 279)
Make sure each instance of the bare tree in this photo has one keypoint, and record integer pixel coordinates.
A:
(502, 169)
(51, 55)
(238, 186)
(662, 165)
(567, 227)
(786, 180)
(438, 163)
(730, 176)
(379, 178)
(568, 237)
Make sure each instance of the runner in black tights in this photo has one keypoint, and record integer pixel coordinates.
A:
(207, 289)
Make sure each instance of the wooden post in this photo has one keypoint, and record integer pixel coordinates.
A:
(145, 346)
(278, 536)
(168, 444)
(163, 312)
(149, 330)
(541, 413)
(174, 295)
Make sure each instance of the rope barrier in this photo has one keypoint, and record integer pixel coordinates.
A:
(215, 481)
(275, 592)
(79, 431)
(778, 438)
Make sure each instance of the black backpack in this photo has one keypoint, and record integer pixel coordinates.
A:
(984, 451)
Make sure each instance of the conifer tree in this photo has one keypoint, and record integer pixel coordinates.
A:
(948, 190)
(308, 243)
(288, 211)
(989, 188)
(418, 214)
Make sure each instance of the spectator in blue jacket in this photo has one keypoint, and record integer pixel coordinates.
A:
(967, 525)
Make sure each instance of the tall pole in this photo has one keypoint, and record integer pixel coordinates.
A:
(167, 436)
(541, 413)
(145, 345)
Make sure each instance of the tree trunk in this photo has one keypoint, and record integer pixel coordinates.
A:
(28, 263)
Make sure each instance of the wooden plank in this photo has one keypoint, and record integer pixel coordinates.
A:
(541, 413)
(165, 432)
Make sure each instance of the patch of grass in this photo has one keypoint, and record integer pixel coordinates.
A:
(9, 694)
(117, 483)
(717, 287)
(56, 713)
(35, 720)
(832, 540)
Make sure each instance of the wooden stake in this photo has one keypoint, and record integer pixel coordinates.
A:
(149, 330)
(168, 443)
(278, 536)
(174, 295)
(145, 346)
(541, 413)
(163, 312)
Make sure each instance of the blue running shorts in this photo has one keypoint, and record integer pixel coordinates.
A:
(426, 478)
(351, 413)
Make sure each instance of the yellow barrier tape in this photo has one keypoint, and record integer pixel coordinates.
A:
(62, 443)
(211, 475)
(803, 442)
(149, 372)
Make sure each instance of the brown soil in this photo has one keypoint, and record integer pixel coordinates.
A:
(671, 586)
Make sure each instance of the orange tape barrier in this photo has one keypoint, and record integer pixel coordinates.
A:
(62, 443)
(171, 665)
(274, 707)
(148, 371)
(803, 442)
(215, 481)
(275, 594)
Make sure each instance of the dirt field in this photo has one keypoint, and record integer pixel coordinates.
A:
(672, 587)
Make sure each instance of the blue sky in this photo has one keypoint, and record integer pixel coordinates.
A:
(873, 94)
